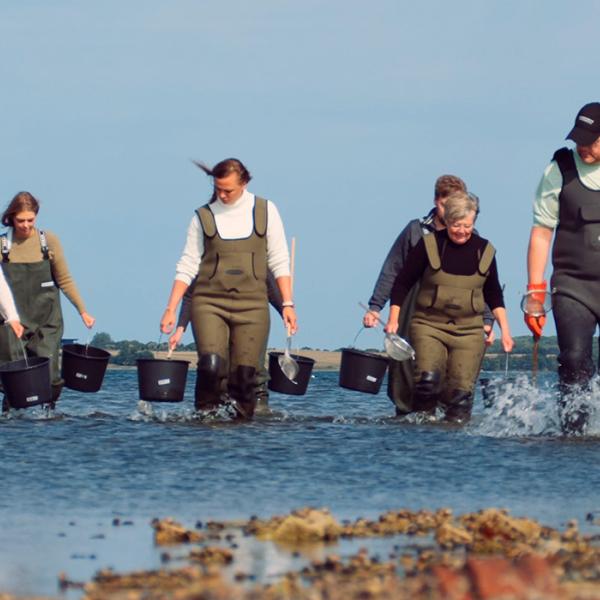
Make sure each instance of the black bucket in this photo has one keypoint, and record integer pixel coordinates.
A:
(278, 382)
(362, 371)
(27, 382)
(83, 367)
(161, 380)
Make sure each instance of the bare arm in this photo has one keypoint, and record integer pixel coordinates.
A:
(168, 319)
(502, 320)
(284, 283)
(392, 324)
(540, 241)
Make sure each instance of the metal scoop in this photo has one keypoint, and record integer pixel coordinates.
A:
(289, 367)
(396, 347)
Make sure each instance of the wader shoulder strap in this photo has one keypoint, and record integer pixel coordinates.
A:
(44, 245)
(566, 163)
(207, 221)
(485, 262)
(5, 248)
(433, 254)
(260, 216)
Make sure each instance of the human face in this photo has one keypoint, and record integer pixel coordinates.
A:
(24, 223)
(590, 154)
(229, 189)
(461, 231)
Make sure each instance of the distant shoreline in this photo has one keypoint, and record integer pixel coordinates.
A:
(325, 360)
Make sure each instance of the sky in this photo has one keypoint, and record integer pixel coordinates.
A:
(345, 113)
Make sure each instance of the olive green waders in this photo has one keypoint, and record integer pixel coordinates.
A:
(230, 312)
(447, 335)
(400, 373)
(38, 303)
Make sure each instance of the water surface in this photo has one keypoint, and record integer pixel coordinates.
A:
(66, 476)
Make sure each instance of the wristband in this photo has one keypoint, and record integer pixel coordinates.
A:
(287, 303)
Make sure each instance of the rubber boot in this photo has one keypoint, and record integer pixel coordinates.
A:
(427, 392)
(262, 397)
(573, 417)
(207, 394)
(458, 408)
(56, 390)
(242, 391)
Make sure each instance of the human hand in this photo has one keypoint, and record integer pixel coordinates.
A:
(533, 307)
(507, 342)
(17, 328)
(490, 336)
(168, 321)
(88, 320)
(391, 326)
(371, 318)
(176, 338)
(290, 319)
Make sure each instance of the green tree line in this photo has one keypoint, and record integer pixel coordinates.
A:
(494, 360)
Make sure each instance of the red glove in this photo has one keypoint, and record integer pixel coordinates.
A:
(537, 298)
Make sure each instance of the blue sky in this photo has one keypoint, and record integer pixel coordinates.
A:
(344, 111)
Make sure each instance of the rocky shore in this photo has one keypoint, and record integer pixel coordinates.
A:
(487, 555)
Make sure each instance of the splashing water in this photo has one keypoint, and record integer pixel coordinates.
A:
(519, 408)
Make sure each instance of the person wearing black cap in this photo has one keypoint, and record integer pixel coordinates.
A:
(568, 202)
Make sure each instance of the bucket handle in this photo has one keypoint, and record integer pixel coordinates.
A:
(170, 350)
(362, 328)
(22, 346)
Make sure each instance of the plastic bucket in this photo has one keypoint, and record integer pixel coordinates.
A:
(83, 367)
(362, 371)
(161, 380)
(27, 382)
(278, 382)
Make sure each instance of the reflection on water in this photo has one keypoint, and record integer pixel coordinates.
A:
(67, 474)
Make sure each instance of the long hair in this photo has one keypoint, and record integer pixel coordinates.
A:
(22, 202)
(223, 169)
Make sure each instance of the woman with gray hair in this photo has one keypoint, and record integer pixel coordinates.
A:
(458, 276)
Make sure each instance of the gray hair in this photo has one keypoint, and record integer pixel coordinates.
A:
(459, 205)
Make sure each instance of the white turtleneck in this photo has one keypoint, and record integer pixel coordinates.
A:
(235, 221)
(7, 303)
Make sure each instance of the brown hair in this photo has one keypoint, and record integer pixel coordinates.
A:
(23, 201)
(223, 169)
(446, 184)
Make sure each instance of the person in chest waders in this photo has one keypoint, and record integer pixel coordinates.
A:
(400, 376)
(262, 376)
(231, 243)
(458, 276)
(566, 219)
(35, 268)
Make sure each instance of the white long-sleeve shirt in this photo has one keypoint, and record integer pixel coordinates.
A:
(235, 221)
(7, 302)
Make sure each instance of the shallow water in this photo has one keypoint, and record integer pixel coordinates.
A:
(102, 456)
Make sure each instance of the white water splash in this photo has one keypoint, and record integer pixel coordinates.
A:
(519, 408)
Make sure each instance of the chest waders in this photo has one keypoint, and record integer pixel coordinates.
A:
(576, 290)
(38, 303)
(230, 312)
(447, 334)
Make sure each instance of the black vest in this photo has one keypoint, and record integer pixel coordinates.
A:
(576, 250)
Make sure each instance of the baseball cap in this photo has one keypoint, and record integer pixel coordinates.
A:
(587, 125)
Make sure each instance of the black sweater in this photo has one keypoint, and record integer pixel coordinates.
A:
(457, 259)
